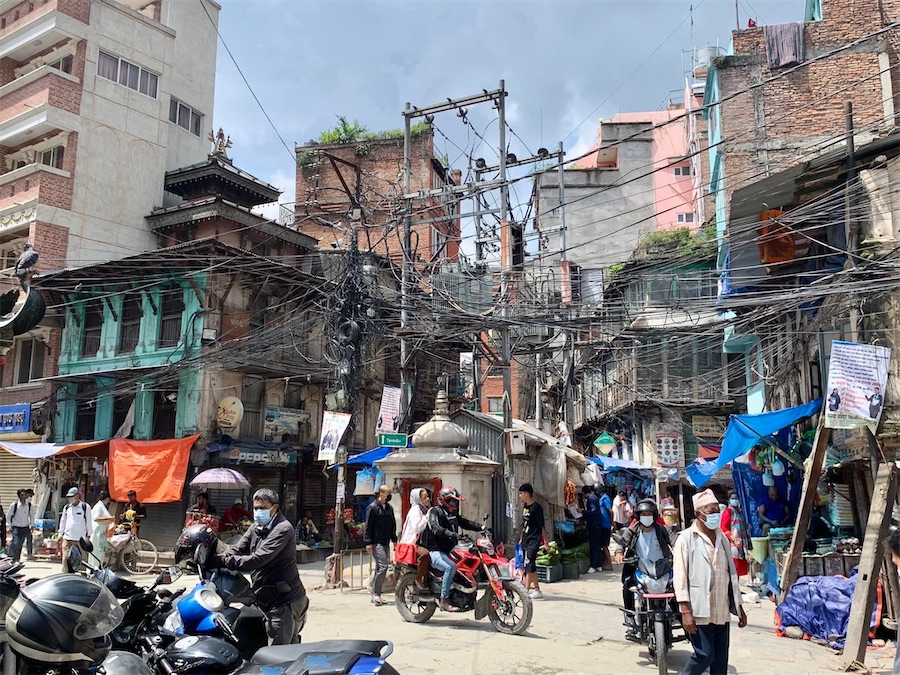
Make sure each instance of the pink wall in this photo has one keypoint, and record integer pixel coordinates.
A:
(674, 194)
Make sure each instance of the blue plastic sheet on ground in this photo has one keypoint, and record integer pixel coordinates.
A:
(820, 607)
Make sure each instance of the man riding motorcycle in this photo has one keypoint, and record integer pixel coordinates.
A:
(442, 534)
(650, 541)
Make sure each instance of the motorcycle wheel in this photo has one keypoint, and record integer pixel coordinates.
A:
(512, 613)
(661, 647)
(413, 612)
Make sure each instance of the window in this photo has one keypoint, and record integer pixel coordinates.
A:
(685, 217)
(165, 406)
(252, 393)
(93, 326)
(64, 64)
(127, 74)
(10, 252)
(495, 404)
(130, 323)
(185, 116)
(30, 361)
(682, 170)
(53, 157)
(170, 323)
(85, 417)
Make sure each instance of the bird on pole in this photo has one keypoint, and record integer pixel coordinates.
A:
(25, 265)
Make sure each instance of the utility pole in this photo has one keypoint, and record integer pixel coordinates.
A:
(409, 113)
(506, 261)
(737, 15)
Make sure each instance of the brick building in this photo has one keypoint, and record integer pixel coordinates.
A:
(331, 177)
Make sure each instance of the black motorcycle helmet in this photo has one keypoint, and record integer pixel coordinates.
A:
(450, 498)
(195, 544)
(64, 620)
(646, 506)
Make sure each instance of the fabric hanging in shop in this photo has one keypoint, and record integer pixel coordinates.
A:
(40, 450)
(615, 463)
(155, 469)
(776, 240)
(746, 431)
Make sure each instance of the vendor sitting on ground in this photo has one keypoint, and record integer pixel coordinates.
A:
(234, 515)
(774, 512)
(203, 506)
(307, 530)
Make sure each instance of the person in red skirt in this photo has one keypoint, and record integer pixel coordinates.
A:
(408, 550)
(734, 527)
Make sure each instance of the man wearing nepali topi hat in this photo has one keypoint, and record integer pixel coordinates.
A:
(706, 588)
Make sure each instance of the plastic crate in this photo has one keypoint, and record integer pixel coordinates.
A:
(570, 571)
(547, 574)
(583, 565)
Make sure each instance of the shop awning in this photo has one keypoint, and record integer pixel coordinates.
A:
(746, 431)
(369, 457)
(41, 450)
(615, 463)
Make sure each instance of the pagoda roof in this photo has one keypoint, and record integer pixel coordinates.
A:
(217, 176)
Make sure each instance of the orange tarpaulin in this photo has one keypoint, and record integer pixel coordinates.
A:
(156, 470)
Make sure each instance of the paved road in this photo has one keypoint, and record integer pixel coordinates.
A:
(576, 630)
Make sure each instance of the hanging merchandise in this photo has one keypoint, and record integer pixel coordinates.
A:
(365, 482)
(777, 468)
(570, 492)
(768, 479)
(379, 478)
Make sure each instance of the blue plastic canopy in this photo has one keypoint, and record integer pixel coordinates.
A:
(370, 456)
(746, 431)
(614, 463)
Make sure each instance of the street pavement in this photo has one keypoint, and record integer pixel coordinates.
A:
(576, 630)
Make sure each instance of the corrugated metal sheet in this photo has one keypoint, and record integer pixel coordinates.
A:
(15, 474)
(488, 441)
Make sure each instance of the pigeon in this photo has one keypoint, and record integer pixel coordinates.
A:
(26, 261)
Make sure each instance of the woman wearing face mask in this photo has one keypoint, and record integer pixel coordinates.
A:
(408, 551)
(735, 530)
(650, 541)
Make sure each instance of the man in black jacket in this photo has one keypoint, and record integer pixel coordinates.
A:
(647, 540)
(442, 534)
(381, 530)
(269, 552)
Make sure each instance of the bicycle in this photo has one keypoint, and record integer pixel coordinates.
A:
(138, 556)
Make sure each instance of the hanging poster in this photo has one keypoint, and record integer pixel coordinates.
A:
(284, 422)
(389, 413)
(669, 449)
(857, 377)
(708, 426)
(334, 425)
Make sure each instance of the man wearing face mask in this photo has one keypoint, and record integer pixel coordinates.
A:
(649, 541)
(269, 552)
(706, 588)
(381, 530)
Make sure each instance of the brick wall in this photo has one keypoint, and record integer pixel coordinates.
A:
(51, 242)
(782, 123)
(11, 393)
(320, 194)
(50, 88)
(492, 387)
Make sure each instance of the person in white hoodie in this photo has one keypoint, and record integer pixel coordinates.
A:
(74, 524)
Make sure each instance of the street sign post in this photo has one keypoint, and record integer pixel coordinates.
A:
(393, 440)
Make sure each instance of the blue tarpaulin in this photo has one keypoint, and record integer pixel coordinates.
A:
(370, 456)
(613, 463)
(746, 431)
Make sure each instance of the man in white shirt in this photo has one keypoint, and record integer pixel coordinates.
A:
(21, 520)
(74, 524)
(621, 511)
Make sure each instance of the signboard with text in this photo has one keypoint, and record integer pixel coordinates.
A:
(707, 426)
(281, 422)
(857, 377)
(15, 419)
(393, 440)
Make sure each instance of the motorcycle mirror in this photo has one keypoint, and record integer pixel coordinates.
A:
(85, 544)
(175, 572)
(73, 560)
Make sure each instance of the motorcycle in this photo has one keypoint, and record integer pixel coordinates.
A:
(10, 583)
(144, 608)
(478, 568)
(655, 616)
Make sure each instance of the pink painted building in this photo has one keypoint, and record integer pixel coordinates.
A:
(671, 169)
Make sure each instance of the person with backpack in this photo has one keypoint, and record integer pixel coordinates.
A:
(74, 524)
(21, 520)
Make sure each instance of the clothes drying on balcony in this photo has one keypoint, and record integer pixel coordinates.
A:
(776, 238)
(784, 44)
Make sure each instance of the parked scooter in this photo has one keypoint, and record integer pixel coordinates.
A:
(655, 616)
(478, 568)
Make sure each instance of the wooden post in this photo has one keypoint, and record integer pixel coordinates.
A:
(807, 501)
(870, 566)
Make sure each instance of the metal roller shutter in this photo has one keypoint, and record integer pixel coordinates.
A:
(15, 474)
(163, 525)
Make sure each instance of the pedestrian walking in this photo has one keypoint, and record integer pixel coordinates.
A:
(381, 530)
(21, 520)
(735, 529)
(622, 511)
(533, 536)
(599, 523)
(104, 526)
(706, 588)
(74, 524)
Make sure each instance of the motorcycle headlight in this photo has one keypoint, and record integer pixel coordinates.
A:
(656, 586)
(173, 622)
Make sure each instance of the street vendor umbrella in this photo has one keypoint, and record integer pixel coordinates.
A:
(221, 477)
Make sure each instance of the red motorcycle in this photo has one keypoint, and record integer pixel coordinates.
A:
(478, 568)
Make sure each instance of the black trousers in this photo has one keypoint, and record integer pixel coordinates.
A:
(628, 581)
(595, 541)
(710, 650)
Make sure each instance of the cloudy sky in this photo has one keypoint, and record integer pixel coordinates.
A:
(566, 63)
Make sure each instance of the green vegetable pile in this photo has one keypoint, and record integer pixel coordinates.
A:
(550, 557)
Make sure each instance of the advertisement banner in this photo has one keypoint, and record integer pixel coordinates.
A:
(281, 422)
(708, 426)
(389, 413)
(15, 419)
(857, 377)
(334, 425)
(669, 449)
